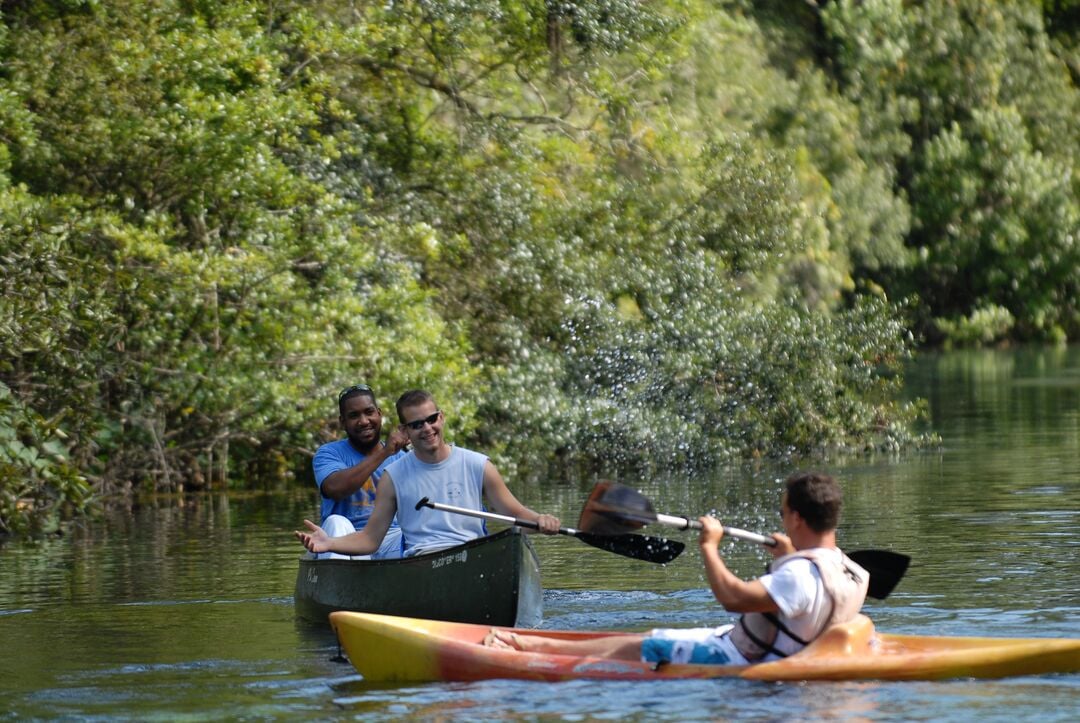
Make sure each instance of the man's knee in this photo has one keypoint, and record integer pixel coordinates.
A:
(338, 525)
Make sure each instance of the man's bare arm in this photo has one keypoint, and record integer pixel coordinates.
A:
(345, 482)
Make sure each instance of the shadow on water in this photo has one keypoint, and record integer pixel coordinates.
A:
(173, 611)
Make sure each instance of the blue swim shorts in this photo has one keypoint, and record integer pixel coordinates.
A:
(709, 646)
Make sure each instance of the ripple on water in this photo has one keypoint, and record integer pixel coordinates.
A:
(679, 700)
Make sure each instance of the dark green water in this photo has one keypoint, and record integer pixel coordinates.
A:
(185, 612)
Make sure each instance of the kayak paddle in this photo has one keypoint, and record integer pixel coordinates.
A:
(639, 547)
(614, 509)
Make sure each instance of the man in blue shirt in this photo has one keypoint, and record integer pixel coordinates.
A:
(348, 471)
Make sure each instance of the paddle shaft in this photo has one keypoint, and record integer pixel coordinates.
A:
(885, 567)
(685, 523)
(640, 547)
(611, 502)
(425, 502)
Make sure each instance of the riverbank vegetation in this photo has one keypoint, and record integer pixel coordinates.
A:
(601, 231)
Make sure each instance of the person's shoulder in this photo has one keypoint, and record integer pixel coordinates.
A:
(469, 454)
(799, 563)
(796, 566)
(333, 448)
(794, 573)
(824, 554)
(397, 460)
(330, 458)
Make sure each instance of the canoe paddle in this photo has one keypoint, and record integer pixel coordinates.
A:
(615, 509)
(639, 547)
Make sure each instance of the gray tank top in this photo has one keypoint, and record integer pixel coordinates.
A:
(458, 480)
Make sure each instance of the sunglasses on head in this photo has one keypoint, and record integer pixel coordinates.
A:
(418, 424)
(361, 388)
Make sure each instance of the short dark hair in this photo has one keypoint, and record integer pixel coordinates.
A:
(817, 498)
(412, 398)
(354, 391)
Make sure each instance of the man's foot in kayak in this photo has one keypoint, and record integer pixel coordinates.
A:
(503, 639)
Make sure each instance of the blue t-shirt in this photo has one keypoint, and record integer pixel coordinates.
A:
(340, 455)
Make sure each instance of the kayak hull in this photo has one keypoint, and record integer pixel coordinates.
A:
(395, 649)
(493, 580)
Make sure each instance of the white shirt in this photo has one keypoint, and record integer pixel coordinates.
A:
(805, 606)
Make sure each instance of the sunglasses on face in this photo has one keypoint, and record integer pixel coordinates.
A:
(418, 424)
(362, 388)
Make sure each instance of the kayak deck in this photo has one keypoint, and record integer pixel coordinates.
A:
(388, 648)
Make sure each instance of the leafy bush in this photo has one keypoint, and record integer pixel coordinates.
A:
(603, 231)
(983, 326)
(989, 104)
(38, 484)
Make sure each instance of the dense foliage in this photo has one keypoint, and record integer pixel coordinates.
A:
(600, 230)
(992, 113)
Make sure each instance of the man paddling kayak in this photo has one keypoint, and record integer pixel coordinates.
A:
(439, 472)
(809, 586)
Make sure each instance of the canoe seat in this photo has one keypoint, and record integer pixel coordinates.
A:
(853, 637)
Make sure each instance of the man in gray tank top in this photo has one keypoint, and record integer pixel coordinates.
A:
(439, 471)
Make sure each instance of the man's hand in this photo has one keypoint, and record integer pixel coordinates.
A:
(397, 440)
(549, 524)
(315, 539)
(712, 531)
(783, 545)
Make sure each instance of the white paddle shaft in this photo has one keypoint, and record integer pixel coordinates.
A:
(488, 516)
(685, 523)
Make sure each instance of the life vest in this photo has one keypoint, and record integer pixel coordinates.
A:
(844, 581)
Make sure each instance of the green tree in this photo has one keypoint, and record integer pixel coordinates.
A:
(603, 229)
(990, 107)
(230, 291)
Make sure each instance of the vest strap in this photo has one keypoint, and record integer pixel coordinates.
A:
(752, 655)
(784, 629)
(767, 647)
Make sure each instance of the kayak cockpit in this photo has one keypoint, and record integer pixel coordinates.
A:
(855, 637)
(840, 646)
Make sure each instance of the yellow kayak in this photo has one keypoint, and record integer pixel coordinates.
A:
(386, 648)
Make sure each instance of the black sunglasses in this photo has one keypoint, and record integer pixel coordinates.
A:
(361, 388)
(419, 423)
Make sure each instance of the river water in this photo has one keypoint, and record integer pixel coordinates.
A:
(178, 611)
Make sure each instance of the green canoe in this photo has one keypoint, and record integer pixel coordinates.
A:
(493, 580)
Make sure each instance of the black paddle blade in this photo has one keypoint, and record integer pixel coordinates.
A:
(885, 567)
(614, 509)
(639, 547)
